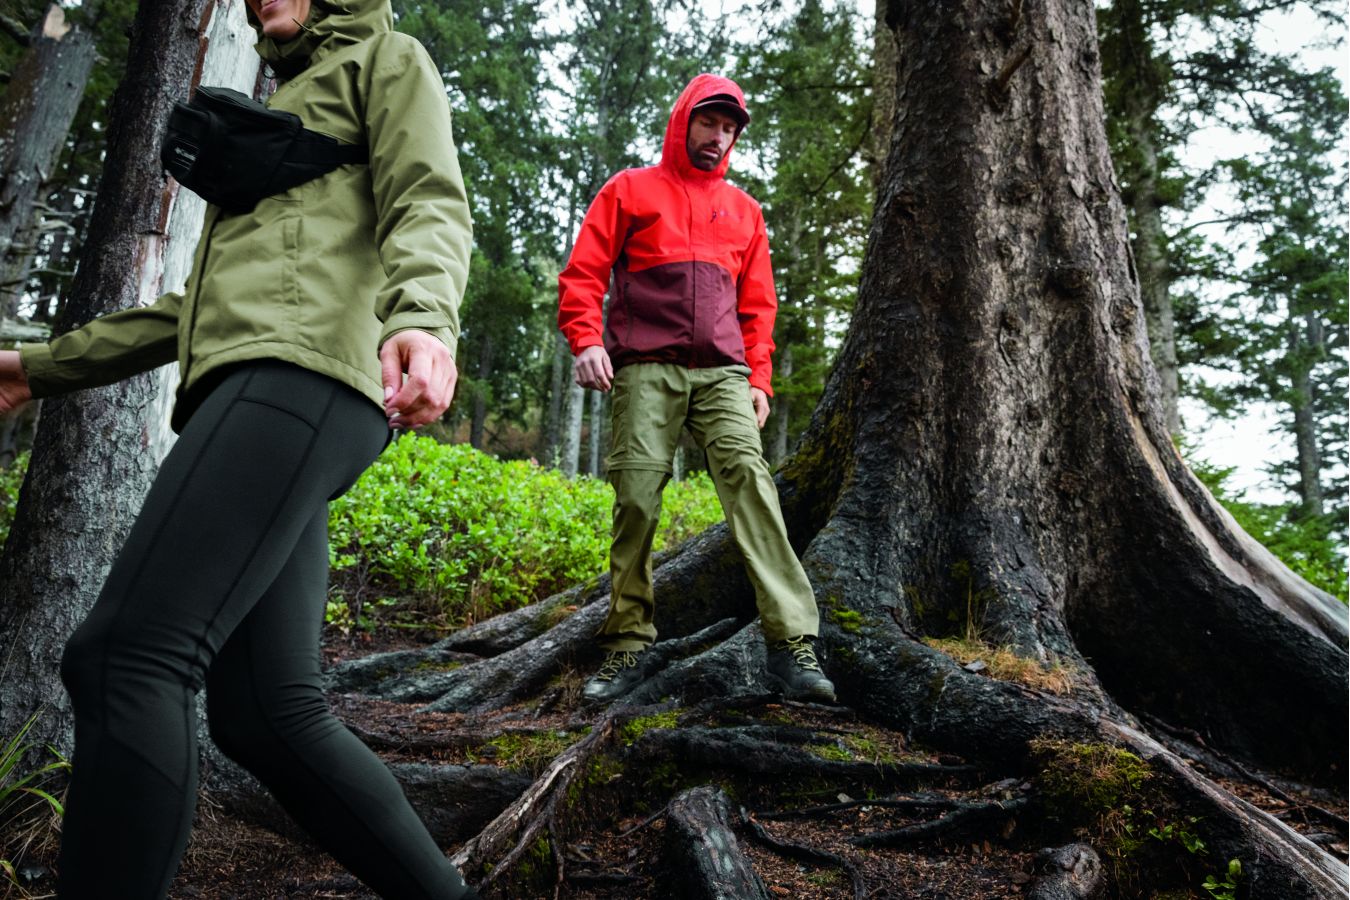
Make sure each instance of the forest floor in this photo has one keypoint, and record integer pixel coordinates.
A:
(620, 852)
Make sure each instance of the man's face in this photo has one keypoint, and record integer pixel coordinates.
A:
(711, 133)
(280, 18)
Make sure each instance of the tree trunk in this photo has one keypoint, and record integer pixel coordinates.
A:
(1154, 272)
(228, 60)
(779, 422)
(559, 369)
(1012, 429)
(40, 103)
(569, 447)
(883, 90)
(84, 487)
(989, 460)
(1305, 350)
(479, 420)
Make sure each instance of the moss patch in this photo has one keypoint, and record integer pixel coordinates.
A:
(530, 752)
(847, 619)
(832, 752)
(1110, 798)
(635, 728)
(536, 868)
(1097, 778)
(437, 665)
(863, 746)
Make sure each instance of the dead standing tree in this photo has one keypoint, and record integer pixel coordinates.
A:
(989, 454)
(35, 114)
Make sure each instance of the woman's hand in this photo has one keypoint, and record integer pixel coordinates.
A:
(430, 382)
(14, 390)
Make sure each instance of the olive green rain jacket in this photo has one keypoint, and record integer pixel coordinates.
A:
(321, 275)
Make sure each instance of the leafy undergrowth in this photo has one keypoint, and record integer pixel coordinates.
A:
(442, 534)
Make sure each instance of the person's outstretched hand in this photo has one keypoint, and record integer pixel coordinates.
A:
(14, 390)
(592, 369)
(430, 383)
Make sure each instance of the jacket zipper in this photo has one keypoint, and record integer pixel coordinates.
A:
(195, 280)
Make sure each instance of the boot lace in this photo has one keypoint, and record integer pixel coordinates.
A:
(803, 653)
(615, 662)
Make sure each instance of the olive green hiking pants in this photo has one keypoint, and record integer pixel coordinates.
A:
(652, 403)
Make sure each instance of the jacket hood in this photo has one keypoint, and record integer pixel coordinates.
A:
(674, 154)
(331, 24)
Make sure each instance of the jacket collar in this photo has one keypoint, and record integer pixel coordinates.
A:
(674, 155)
(331, 24)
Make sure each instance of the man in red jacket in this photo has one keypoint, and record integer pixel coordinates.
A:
(685, 259)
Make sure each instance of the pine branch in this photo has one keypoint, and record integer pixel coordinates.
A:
(16, 31)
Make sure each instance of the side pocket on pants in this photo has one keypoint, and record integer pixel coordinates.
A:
(618, 421)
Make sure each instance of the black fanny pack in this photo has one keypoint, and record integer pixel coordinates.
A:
(233, 151)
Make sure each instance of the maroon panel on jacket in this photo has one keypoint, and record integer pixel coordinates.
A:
(683, 312)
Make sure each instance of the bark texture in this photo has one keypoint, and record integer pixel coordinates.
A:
(39, 104)
(90, 467)
(703, 852)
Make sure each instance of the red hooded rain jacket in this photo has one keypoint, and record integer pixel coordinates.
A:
(692, 282)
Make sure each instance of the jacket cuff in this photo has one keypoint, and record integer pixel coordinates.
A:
(40, 369)
(590, 340)
(759, 380)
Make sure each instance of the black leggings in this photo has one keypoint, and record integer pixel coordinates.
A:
(222, 582)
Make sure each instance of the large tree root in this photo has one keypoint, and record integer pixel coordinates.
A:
(415, 675)
(702, 854)
(698, 587)
(966, 820)
(1072, 872)
(1277, 860)
(730, 670)
(531, 817)
(766, 753)
(998, 722)
(455, 802)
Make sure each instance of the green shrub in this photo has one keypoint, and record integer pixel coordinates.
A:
(11, 479)
(687, 508)
(461, 533)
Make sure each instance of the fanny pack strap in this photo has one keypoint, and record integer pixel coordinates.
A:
(321, 150)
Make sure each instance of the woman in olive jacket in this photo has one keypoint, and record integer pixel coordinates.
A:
(293, 337)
